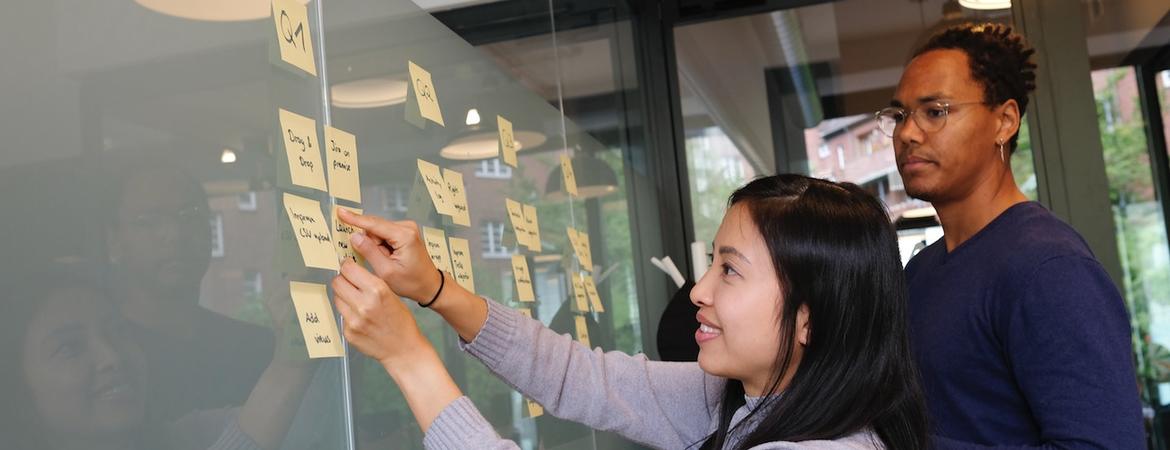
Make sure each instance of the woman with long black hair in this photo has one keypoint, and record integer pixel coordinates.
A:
(803, 340)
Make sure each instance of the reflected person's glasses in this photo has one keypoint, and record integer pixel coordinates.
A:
(929, 116)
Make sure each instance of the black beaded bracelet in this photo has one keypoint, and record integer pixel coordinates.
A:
(442, 281)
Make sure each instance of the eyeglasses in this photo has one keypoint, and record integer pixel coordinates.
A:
(929, 116)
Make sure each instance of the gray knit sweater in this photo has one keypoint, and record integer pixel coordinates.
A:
(660, 404)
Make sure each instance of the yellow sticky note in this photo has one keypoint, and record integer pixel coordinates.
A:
(579, 294)
(594, 297)
(532, 225)
(341, 233)
(534, 409)
(456, 197)
(436, 241)
(292, 34)
(299, 134)
(433, 179)
(461, 263)
(523, 279)
(507, 141)
(315, 315)
(425, 94)
(519, 223)
(582, 330)
(580, 243)
(525, 312)
(312, 232)
(342, 159)
(570, 177)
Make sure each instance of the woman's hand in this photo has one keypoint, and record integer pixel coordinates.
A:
(396, 253)
(376, 322)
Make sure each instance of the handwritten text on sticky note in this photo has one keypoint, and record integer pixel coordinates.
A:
(293, 34)
(312, 232)
(461, 263)
(523, 279)
(341, 233)
(299, 134)
(507, 141)
(341, 156)
(436, 242)
(425, 94)
(315, 316)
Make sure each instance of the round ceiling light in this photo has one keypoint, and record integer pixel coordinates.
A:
(368, 93)
(212, 10)
(486, 144)
(986, 4)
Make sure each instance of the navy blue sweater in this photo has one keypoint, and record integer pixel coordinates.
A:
(1022, 340)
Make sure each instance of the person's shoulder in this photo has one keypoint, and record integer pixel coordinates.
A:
(1034, 235)
(861, 440)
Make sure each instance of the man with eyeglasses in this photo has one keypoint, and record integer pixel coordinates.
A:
(1021, 338)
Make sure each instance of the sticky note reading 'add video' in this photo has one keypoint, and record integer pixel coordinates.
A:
(312, 232)
(315, 316)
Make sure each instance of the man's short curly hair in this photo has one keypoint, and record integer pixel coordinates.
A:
(1000, 61)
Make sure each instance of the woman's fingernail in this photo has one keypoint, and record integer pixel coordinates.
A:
(357, 239)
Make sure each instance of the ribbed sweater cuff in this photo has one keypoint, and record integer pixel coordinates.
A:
(494, 340)
(234, 438)
(459, 426)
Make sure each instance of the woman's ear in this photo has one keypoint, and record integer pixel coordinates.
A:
(1009, 121)
(802, 325)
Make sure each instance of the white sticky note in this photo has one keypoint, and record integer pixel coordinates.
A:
(342, 161)
(425, 93)
(299, 134)
(461, 263)
(293, 34)
(456, 197)
(341, 233)
(311, 231)
(436, 242)
(523, 279)
(315, 316)
(507, 141)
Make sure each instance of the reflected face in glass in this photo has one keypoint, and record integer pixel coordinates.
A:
(947, 163)
(739, 301)
(84, 372)
(163, 231)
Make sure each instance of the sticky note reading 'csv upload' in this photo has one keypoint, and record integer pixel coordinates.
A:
(312, 232)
